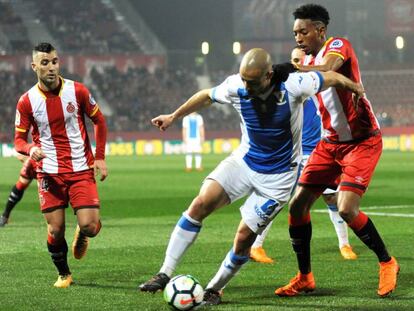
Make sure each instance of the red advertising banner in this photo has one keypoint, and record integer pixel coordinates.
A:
(399, 15)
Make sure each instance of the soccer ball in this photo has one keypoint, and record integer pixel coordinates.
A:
(183, 292)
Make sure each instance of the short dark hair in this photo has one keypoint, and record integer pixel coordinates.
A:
(44, 47)
(314, 12)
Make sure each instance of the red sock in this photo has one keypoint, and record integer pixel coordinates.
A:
(299, 221)
(359, 221)
(21, 186)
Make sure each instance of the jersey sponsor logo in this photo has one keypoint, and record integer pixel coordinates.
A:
(70, 107)
(92, 100)
(266, 210)
(17, 121)
(337, 43)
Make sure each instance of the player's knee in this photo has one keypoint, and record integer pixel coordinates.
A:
(91, 229)
(329, 199)
(200, 206)
(57, 231)
(347, 214)
(297, 208)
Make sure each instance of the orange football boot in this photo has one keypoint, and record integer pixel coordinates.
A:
(348, 253)
(80, 244)
(258, 254)
(300, 283)
(388, 277)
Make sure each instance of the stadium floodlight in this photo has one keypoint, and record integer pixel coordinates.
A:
(205, 48)
(236, 48)
(399, 42)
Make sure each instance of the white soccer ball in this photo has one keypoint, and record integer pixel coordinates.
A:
(183, 292)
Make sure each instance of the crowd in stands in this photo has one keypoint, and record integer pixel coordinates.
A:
(391, 93)
(135, 97)
(14, 32)
(139, 95)
(85, 27)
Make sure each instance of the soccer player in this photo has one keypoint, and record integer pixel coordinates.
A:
(311, 135)
(55, 109)
(350, 148)
(264, 166)
(27, 174)
(193, 138)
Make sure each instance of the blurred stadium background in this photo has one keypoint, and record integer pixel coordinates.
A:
(142, 58)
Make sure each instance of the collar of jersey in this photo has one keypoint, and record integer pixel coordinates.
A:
(42, 93)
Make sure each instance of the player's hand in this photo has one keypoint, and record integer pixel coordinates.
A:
(37, 154)
(357, 94)
(163, 121)
(21, 157)
(99, 167)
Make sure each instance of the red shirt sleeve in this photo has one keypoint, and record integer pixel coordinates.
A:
(91, 108)
(24, 119)
(340, 47)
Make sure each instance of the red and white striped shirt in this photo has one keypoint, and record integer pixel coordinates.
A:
(58, 127)
(341, 122)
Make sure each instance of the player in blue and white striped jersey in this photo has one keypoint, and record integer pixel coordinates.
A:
(311, 135)
(264, 167)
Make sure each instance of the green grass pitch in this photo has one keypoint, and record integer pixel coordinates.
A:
(141, 201)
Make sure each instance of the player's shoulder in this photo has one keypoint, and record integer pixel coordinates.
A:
(24, 98)
(79, 86)
(338, 43)
(233, 83)
(233, 80)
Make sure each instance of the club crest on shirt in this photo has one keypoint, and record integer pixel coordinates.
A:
(17, 121)
(92, 100)
(70, 107)
(337, 43)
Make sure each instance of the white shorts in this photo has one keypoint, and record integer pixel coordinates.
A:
(268, 193)
(305, 158)
(193, 146)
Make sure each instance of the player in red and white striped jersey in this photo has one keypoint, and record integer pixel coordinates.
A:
(55, 110)
(350, 149)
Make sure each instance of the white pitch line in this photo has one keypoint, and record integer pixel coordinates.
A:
(387, 207)
(378, 213)
(391, 214)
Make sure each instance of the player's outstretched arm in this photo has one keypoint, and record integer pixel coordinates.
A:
(330, 62)
(194, 103)
(337, 80)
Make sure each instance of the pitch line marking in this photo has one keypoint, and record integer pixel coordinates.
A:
(378, 213)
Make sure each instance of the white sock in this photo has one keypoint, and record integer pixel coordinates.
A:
(340, 225)
(261, 237)
(184, 234)
(188, 161)
(228, 269)
(198, 161)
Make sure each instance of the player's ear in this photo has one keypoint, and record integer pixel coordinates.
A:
(322, 31)
(33, 66)
(269, 75)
